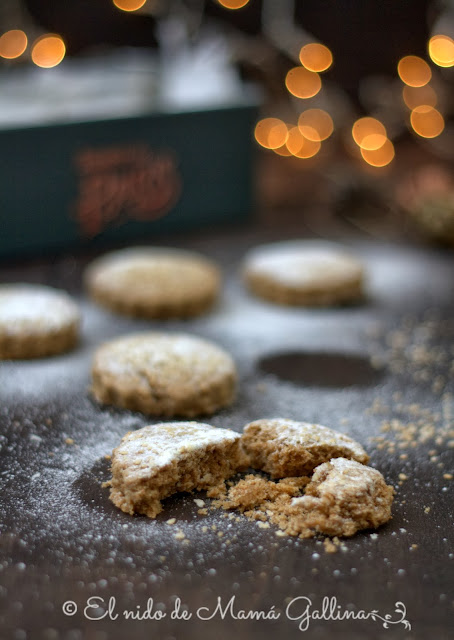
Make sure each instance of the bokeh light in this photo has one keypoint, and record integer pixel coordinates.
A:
(441, 50)
(369, 133)
(427, 122)
(301, 147)
(379, 157)
(48, 51)
(13, 44)
(233, 4)
(271, 133)
(303, 83)
(315, 124)
(414, 71)
(417, 96)
(316, 57)
(129, 5)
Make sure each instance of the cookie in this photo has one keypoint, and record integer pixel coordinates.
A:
(343, 497)
(285, 448)
(164, 374)
(303, 273)
(36, 321)
(154, 282)
(162, 459)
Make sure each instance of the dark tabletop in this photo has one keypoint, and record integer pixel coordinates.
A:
(385, 361)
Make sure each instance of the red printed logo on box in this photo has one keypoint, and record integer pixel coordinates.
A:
(117, 184)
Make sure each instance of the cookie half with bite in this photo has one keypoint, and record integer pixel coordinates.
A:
(162, 459)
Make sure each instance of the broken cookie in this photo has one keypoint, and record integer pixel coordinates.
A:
(342, 498)
(285, 448)
(162, 459)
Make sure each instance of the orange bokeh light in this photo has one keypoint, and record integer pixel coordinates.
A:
(301, 147)
(48, 51)
(13, 44)
(379, 157)
(417, 96)
(369, 133)
(129, 5)
(315, 124)
(233, 4)
(271, 133)
(316, 57)
(303, 83)
(414, 71)
(441, 50)
(427, 122)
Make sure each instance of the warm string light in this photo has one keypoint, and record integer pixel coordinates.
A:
(48, 51)
(315, 124)
(299, 146)
(379, 157)
(426, 121)
(414, 71)
(316, 57)
(369, 133)
(271, 133)
(129, 5)
(303, 83)
(418, 95)
(13, 44)
(371, 137)
(441, 50)
(233, 4)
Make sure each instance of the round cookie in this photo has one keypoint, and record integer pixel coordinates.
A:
(36, 321)
(303, 272)
(164, 374)
(154, 282)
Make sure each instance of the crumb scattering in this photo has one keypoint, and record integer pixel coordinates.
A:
(342, 497)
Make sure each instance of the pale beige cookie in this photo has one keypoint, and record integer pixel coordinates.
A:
(164, 374)
(154, 282)
(36, 321)
(342, 498)
(157, 461)
(285, 448)
(303, 272)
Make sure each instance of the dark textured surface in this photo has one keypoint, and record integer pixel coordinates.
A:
(63, 540)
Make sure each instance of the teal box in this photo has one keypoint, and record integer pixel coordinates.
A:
(73, 184)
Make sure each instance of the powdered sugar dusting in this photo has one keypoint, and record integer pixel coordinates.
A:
(26, 308)
(304, 263)
(146, 451)
(308, 435)
(164, 353)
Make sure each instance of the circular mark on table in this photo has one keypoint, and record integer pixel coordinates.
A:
(321, 369)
